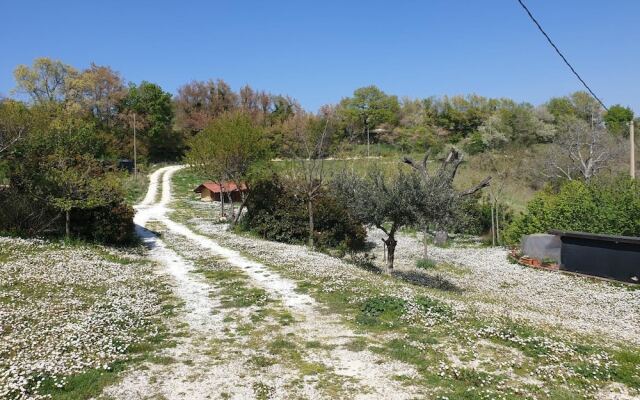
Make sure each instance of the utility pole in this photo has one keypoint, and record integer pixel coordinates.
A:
(135, 150)
(368, 141)
(632, 166)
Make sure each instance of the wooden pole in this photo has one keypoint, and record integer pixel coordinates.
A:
(493, 224)
(135, 150)
(632, 160)
(368, 141)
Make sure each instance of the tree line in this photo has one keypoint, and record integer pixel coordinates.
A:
(101, 97)
(59, 148)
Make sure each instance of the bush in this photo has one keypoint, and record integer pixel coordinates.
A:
(606, 206)
(24, 215)
(385, 310)
(110, 224)
(475, 144)
(276, 212)
(425, 263)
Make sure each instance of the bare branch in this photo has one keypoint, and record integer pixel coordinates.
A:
(484, 183)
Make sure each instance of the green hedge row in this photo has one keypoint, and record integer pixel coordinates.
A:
(604, 205)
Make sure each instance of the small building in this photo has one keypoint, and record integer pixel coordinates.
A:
(211, 191)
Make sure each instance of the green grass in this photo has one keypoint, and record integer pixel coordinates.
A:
(84, 385)
(234, 288)
(425, 263)
(185, 181)
(134, 187)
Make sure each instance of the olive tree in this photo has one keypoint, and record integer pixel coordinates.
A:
(414, 198)
(387, 203)
(439, 202)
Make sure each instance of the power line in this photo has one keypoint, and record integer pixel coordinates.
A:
(561, 55)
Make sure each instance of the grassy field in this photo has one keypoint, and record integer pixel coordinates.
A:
(79, 313)
(506, 169)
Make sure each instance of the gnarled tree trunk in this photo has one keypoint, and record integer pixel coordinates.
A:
(391, 243)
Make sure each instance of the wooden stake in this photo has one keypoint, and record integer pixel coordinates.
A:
(632, 166)
(135, 150)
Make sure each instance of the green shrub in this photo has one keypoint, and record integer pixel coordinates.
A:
(475, 144)
(429, 305)
(113, 224)
(607, 206)
(381, 310)
(277, 212)
(425, 263)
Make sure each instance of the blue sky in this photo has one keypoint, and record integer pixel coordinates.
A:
(320, 51)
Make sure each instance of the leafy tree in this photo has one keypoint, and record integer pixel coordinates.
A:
(230, 148)
(459, 116)
(561, 107)
(517, 123)
(154, 116)
(277, 212)
(15, 121)
(367, 109)
(45, 81)
(577, 105)
(99, 91)
(377, 200)
(76, 184)
(57, 167)
(617, 119)
(198, 102)
(283, 108)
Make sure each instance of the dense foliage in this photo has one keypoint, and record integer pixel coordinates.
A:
(609, 206)
(276, 211)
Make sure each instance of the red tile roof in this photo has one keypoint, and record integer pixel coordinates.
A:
(215, 187)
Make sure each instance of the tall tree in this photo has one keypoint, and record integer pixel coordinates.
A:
(617, 119)
(367, 109)
(98, 90)
(154, 116)
(45, 81)
(199, 102)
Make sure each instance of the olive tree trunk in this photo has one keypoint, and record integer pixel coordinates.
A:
(391, 250)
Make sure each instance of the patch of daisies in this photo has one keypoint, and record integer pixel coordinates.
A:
(66, 310)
